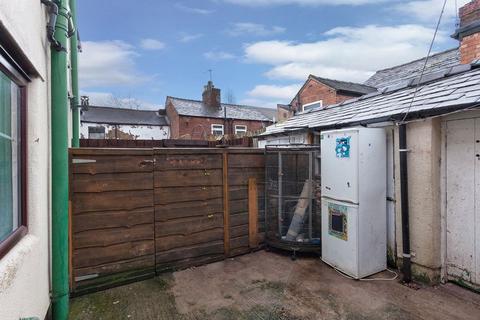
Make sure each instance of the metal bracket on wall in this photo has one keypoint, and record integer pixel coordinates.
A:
(83, 161)
(86, 277)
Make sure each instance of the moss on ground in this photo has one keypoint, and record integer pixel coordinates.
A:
(255, 313)
(275, 287)
(150, 299)
(153, 299)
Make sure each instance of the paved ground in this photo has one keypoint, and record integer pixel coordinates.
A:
(270, 286)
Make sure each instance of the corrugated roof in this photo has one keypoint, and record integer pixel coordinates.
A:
(408, 71)
(454, 88)
(107, 115)
(346, 86)
(195, 108)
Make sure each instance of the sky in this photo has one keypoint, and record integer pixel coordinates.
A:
(135, 53)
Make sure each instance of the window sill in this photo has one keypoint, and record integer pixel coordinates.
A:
(12, 240)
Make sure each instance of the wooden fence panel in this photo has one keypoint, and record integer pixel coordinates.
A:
(245, 165)
(188, 208)
(112, 237)
(137, 212)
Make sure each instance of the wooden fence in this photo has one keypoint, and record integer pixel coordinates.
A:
(243, 142)
(138, 212)
(167, 143)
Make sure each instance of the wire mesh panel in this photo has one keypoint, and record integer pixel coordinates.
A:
(292, 215)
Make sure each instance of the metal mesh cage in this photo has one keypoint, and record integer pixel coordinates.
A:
(292, 215)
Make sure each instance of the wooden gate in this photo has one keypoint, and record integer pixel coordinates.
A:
(137, 212)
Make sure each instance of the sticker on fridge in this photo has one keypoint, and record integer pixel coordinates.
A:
(343, 147)
(337, 221)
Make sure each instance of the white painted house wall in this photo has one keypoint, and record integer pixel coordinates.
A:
(24, 271)
(294, 138)
(137, 132)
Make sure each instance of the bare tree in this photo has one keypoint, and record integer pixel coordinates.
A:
(126, 103)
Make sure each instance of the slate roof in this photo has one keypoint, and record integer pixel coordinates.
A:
(270, 113)
(445, 91)
(346, 86)
(195, 108)
(107, 115)
(408, 71)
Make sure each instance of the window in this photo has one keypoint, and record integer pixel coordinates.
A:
(96, 132)
(217, 129)
(240, 130)
(12, 157)
(313, 105)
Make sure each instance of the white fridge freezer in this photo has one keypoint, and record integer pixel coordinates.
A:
(354, 217)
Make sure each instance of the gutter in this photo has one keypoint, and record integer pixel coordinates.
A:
(465, 31)
(55, 11)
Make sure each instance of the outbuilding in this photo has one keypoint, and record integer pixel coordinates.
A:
(440, 110)
(123, 124)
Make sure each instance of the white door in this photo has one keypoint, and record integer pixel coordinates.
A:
(340, 165)
(463, 200)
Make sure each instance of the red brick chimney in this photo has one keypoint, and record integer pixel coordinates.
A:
(468, 32)
(211, 96)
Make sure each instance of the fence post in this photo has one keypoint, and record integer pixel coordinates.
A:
(252, 213)
(226, 204)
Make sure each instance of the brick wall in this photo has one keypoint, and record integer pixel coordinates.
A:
(252, 126)
(341, 97)
(469, 13)
(314, 91)
(283, 114)
(469, 45)
(197, 128)
(470, 48)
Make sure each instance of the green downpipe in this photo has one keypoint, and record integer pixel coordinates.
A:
(59, 135)
(74, 73)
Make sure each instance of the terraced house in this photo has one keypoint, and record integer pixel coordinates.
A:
(197, 120)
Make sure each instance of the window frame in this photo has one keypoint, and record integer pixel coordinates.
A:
(217, 125)
(98, 131)
(243, 131)
(16, 75)
(311, 104)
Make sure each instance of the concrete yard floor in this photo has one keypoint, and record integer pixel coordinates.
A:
(266, 285)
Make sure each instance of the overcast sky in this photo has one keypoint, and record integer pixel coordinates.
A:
(260, 51)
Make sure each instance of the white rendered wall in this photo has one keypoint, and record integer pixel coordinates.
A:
(134, 132)
(24, 271)
(293, 138)
(424, 158)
